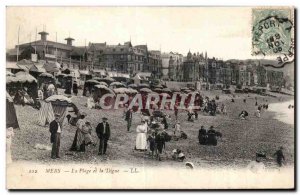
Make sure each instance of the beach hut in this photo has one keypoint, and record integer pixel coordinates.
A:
(101, 90)
(89, 86)
(60, 80)
(46, 78)
(11, 116)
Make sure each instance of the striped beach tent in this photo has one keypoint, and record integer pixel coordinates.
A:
(46, 114)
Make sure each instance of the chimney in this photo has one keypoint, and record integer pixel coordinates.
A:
(69, 40)
(43, 35)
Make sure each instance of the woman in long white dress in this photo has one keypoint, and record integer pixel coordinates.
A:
(141, 138)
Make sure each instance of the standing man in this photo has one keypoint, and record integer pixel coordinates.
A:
(75, 88)
(103, 133)
(55, 131)
(128, 118)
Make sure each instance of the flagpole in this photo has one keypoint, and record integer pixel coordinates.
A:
(18, 44)
(35, 41)
(56, 47)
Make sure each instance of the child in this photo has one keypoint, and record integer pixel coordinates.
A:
(177, 128)
(160, 144)
(151, 140)
(178, 155)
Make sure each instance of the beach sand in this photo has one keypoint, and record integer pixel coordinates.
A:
(241, 138)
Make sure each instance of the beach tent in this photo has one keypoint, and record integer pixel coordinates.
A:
(61, 80)
(89, 86)
(55, 104)
(46, 78)
(101, 90)
(11, 116)
(137, 79)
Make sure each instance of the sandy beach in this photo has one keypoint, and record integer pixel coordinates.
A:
(238, 146)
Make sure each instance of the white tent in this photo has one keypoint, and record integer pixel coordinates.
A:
(137, 79)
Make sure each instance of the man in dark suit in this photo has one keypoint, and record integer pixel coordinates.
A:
(55, 131)
(128, 118)
(103, 133)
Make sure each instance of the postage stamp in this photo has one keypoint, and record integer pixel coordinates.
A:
(272, 33)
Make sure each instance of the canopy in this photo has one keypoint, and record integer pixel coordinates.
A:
(133, 85)
(146, 90)
(93, 81)
(61, 74)
(24, 77)
(97, 79)
(167, 90)
(61, 98)
(11, 79)
(103, 83)
(9, 73)
(107, 79)
(164, 94)
(105, 88)
(132, 91)
(144, 85)
(121, 90)
(45, 74)
(117, 84)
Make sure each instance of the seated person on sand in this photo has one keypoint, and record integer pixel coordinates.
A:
(178, 155)
(202, 136)
(257, 113)
(212, 135)
(243, 115)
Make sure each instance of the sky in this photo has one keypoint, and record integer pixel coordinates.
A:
(224, 33)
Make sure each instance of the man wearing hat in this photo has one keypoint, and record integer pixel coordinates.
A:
(103, 133)
(75, 88)
(55, 131)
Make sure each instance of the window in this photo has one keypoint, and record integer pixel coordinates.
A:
(114, 50)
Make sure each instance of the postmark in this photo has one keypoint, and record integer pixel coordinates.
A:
(273, 34)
